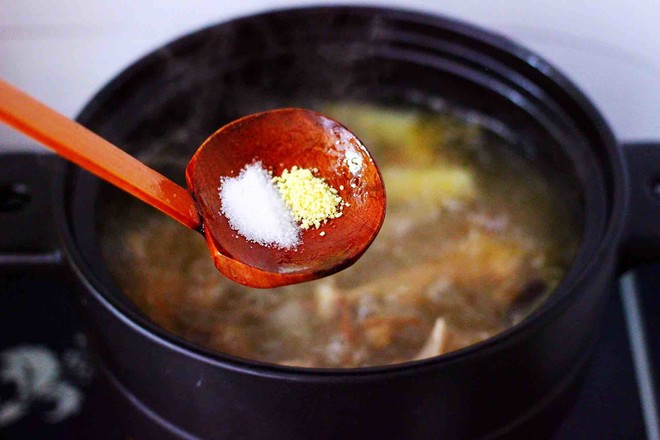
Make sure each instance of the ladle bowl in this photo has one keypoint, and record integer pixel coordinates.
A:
(279, 139)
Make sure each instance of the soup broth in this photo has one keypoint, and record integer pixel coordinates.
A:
(474, 238)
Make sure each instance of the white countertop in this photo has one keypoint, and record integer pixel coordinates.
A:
(63, 51)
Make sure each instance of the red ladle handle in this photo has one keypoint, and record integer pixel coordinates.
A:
(93, 153)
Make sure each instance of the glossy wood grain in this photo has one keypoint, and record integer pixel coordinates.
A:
(85, 148)
(281, 139)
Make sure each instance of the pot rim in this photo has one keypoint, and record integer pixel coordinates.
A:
(558, 299)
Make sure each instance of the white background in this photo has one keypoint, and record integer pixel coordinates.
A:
(63, 51)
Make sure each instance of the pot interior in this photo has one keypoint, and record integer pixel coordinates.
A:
(378, 72)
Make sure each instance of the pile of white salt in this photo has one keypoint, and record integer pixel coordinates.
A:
(254, 207)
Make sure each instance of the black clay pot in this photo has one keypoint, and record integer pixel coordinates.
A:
(165, 387)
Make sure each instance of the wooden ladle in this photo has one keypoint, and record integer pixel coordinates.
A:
(279, 139)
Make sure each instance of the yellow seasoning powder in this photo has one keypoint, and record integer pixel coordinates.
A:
(311, 200)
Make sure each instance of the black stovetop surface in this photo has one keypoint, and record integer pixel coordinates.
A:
(617, 399)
